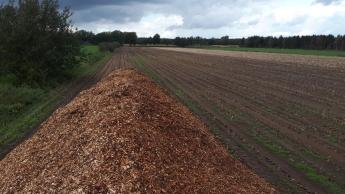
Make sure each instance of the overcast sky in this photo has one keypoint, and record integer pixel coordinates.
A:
(210, 18)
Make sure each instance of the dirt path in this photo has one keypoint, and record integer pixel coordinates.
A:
(118, 60)
(283, 119)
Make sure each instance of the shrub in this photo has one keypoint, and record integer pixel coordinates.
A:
(36, 41)
(109, 46)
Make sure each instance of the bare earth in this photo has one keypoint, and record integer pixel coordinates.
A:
(125, 135)
(335, 62)
(282, 115)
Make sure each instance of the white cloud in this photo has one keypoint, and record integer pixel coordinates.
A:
(326, 2)
(215, 18)
(145, 27)
(290, 19)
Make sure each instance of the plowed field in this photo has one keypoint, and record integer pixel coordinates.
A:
(282, 116)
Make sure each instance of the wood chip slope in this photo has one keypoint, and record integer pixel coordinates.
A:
(125, 135)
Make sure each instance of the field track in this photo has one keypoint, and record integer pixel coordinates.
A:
(283, 116)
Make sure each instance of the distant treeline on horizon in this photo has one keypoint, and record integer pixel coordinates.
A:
(317, 42)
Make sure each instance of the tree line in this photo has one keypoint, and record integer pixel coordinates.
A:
(199, 41)
(316, 42)
(188, 41)
(37, 44)
(156, 39)
(117, 36)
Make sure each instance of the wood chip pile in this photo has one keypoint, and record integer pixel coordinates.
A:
(125, 135)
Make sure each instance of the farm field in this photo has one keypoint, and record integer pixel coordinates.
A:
(282, 115)
(331, 53)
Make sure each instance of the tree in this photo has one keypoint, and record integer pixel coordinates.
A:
(7, 25)
(156, 39)
(130, 38)
(84, 36)
(37, 43)
(225, 40)
(181, 42)
(109, 46)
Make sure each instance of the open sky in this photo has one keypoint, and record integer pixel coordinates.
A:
(210, 18)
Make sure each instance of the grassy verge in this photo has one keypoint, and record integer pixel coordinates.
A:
(22, 107)
(328, 53)
(94, 57)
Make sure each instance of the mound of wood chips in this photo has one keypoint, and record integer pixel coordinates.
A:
(125, 135)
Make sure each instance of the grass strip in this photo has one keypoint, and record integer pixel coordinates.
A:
(15, 126)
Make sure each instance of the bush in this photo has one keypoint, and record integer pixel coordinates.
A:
(109, 46)
(36, 41)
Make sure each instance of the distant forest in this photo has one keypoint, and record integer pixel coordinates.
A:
(315, 42)
(115, 36)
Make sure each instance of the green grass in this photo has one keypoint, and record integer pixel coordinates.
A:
(27, 118)
(329, 53)
(308, 171)
(93, 56)
(23, 107)
(312, 154)
(312, 174)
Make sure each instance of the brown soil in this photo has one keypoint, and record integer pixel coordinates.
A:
(125, 135)
(274, 112)
(331, 62)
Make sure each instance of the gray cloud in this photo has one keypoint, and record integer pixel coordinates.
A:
(326, 2)
(117, 13)
(85, 4)
(209, 14)
(209, 17)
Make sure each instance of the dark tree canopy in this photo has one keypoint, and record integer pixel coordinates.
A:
(156, 39)
(318, 42)
(107, 37)
(36, 41)
(131, 38)
(84, 36)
